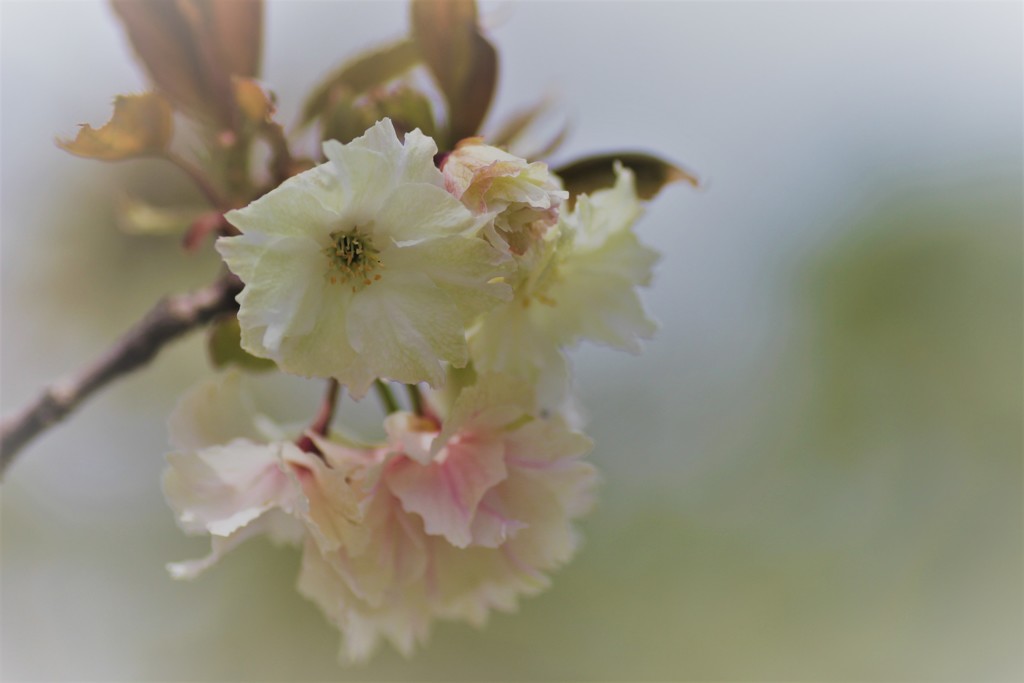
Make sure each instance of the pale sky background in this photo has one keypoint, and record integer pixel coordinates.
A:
(729, 544)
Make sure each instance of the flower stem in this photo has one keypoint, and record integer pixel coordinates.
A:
(322, 420)
(281, 161)
(386, 397)
(415, 398)
(201, 180)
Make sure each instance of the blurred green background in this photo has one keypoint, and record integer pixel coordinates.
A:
(813, 473)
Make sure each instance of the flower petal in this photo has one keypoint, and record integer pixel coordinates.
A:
(446, 492)
(416, 211)
(289, 212)
(283, 291)
(221, 489)
(403, 326)
(279, 526)
(213, 412)
(466, 269)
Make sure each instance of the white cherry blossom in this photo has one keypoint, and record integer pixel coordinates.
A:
(364, 266)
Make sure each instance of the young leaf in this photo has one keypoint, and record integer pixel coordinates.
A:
(224, 346)
(236, 27)
(140, 126)
(138, 217)
(345, 120)
(359, 75)
(192, 48)
(255, 104)
(471, 104)
(593, 173)
(348, 117)
(408, 110)
(462, 61)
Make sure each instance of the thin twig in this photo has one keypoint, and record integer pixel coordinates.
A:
(322, 422)
(281, 161)
(201, 181)
(167, 320)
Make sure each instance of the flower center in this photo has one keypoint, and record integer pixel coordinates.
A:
(352, 259)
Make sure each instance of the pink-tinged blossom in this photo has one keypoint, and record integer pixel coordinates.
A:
(234, 475)
(364, 266)
(579, 282)
(446, 519)
(522, 197)
(461, 519)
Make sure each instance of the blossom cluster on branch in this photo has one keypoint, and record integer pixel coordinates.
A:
(410, 250)
(367, 268)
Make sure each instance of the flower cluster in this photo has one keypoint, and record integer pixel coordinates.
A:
(474, 278)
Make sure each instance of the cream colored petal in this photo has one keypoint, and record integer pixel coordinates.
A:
(277, 525)
(283, 292)
(509, 340)
(404, 621)
(392, 561)
(410, 435)
(595, 304)
(416, 211)
(332, 510)
(467, 269)
(325, 350)
(296, 208)
(486, 408)
(608, 211)
(403, 326)
(220, 489)
(366, 178)
(214, 411)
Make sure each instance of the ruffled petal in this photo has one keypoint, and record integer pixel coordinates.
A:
(220, 489)
(403, 326)
(467, 270)
(418, 211)
(447, 492)
(213, 412)
(298, 207)
(283, 292)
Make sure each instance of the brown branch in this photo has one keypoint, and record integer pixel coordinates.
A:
(170, 318)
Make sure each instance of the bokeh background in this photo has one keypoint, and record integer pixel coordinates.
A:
(813, 473)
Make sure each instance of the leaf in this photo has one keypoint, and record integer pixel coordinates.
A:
(192, 48)
(470, 106)
(408, 110)
(361, 74)
(594, 173)
(346, 121)
(137, 217)
(141, 125)
(461, 59)
(162, 40)
(236, 28)
(224, 346)
(254, 104)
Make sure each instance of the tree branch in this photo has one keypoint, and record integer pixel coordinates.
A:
(170, 318)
